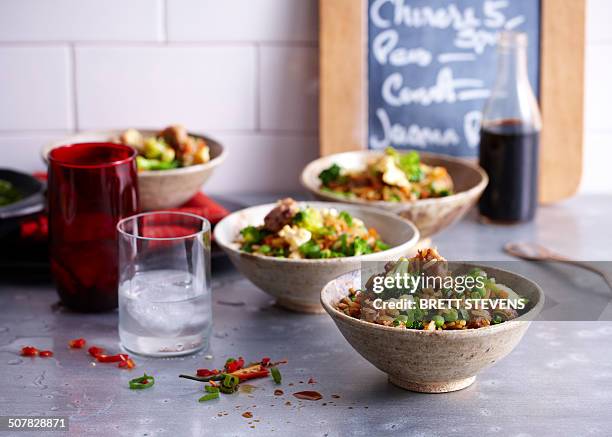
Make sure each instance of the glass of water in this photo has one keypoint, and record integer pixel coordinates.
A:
(164, 283)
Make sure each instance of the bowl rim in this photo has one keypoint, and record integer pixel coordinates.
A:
(81, 137)
(416, 235)
(480, 186)
(334, 313)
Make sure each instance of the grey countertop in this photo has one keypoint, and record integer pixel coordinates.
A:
(557, 381)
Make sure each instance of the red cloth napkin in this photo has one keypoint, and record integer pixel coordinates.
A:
(36, 228)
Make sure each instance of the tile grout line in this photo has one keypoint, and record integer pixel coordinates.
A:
(257, 88)
(73, 73)
(164, 27)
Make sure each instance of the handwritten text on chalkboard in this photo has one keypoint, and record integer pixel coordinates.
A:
(432, 65)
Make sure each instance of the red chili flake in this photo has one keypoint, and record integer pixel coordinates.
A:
(94, 351)
(232, 366)
(265, 361)
(312, 381)
(45, 354)
(111, 358)
(29, 351)
(128, 364)
(206, 372)
(77, 343)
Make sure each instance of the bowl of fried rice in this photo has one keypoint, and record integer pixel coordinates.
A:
(291, 249)
(433, 348)
(431, 190)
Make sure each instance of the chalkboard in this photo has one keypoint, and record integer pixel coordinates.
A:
(431, 66)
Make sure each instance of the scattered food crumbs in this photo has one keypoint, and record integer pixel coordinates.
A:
(247, 388)
(288, 403)
(231, 303)
(278, 392)
(255, 420)
(312, 381)
(324, 403)
(308, 395)
(350, 408)
(336, 396)
(247, 414)
(301, 382)
(291, 384)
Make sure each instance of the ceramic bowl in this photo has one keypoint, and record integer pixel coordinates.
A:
(429, 215)
(161, 189)
(432, 361)
(296, 283)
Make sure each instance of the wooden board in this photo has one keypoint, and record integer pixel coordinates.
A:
(343, 97)
(561, 98)
(342, 45)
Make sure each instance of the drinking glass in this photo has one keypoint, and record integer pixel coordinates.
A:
(91, 187)
(164, 283)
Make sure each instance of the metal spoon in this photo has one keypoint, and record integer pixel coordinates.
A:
(535, 252)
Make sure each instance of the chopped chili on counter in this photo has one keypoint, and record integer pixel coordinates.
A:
(251, 372)
(45, 354)
(77, 343)
(206, 372)
(94, 351)
(29, 351)
(111, 358)
(128, 364)
(231, 365)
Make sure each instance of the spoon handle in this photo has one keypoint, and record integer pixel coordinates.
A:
(535, 252)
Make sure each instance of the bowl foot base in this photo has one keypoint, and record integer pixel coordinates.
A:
(300, 307)
(432, 387)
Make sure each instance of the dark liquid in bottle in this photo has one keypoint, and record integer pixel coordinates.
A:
(509, 155)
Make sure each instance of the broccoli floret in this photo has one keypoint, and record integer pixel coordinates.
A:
(265, 249)
(348, 219)
(310, 249)
(380, 245)
(409, 162)
(330, 174)
(309, 218)
(251, 235)
(360, 247)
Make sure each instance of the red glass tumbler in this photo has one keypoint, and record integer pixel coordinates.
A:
(91, 187)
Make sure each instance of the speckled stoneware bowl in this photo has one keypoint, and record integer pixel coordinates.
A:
(433, 361)
(429, 215)
(296, 283)
(161, 189)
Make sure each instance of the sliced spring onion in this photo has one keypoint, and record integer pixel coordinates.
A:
(276, 375)
(209, 397)
(145, 381)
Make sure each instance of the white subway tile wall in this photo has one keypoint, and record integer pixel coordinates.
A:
(242, 20)
(81, 20)
(596, 176)
(35, 88)
(288, 95)
(243, 70)
(201, 87)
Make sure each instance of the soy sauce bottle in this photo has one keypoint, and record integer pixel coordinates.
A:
(509, 137)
